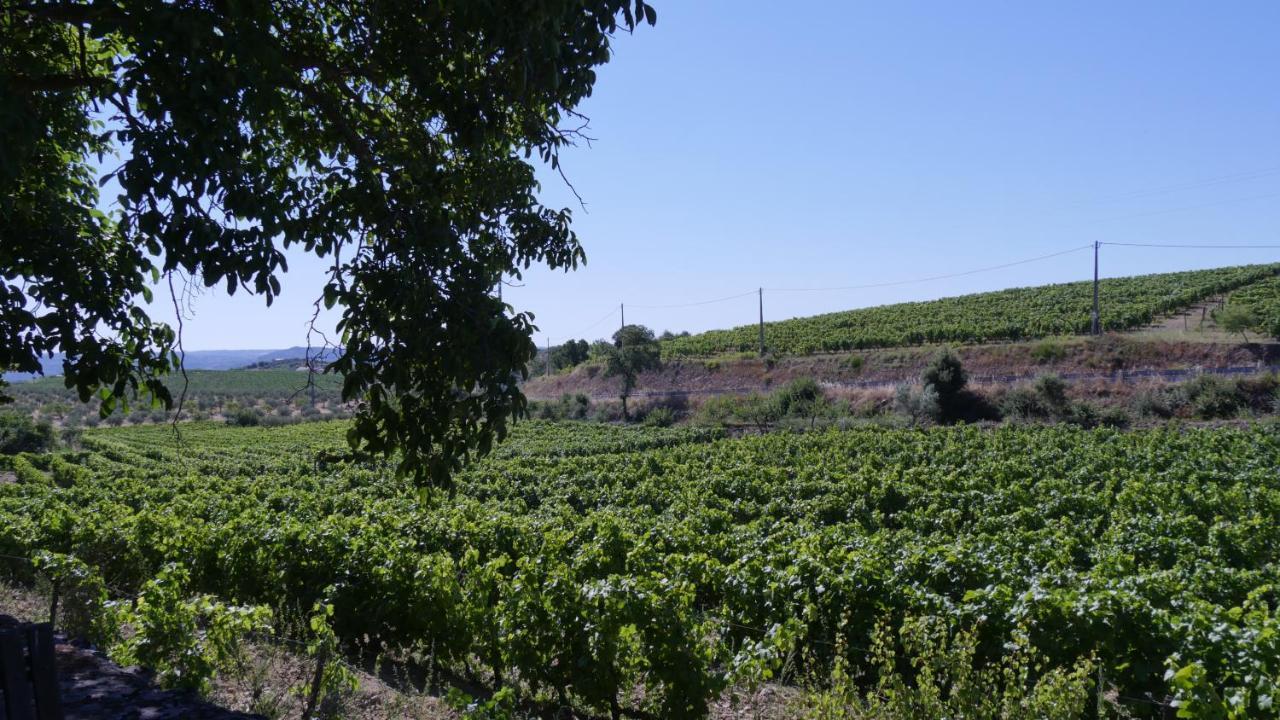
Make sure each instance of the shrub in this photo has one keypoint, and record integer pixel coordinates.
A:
(1114, 417)
(1047, 351)
(660, 417)
(1046, 400)
(606, 412)
(759, 410)
(1236, 319)
(1213, 397)
(1022, 404)
(1153, 403)
(946, 374)
(947, 377)
(1052, 391)
(800, 397)
(568, 407)
(245, 417)
(19, 434)
(716, 410)
(922, 407)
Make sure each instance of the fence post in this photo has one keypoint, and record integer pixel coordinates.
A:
(313, 697)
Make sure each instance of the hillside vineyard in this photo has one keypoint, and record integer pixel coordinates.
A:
(1004, 315)
(666, 565)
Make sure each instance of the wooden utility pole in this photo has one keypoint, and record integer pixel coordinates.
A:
(622, 312)
(760, 291)
(1097, 329)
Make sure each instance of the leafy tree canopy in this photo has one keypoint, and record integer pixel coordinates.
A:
(394, 139)
(1237, 319)
(634, 350)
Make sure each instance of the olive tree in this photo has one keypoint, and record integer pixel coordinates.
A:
(634, 351)
(397, 140)
(1236, 319)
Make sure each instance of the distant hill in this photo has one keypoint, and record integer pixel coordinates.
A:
(201, 360)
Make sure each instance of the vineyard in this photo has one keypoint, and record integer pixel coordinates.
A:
(1005, 315)
(611, 567)
(1263, 300)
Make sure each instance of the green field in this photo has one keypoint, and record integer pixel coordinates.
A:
(582, 562)
(1005, 315)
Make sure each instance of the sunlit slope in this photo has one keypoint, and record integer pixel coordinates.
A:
(1013, 314)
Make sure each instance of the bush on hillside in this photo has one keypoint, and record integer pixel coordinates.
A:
(19, 434)
(660, 417)
(948, 382)
(245, 417)
(922, 406)
(1212, 397)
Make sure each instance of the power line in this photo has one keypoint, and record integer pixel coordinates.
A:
(932, 278)
(585, 330)
(936, 277)
(694, 304)
(1198, 247)
(1194, 184)
(1184, 208)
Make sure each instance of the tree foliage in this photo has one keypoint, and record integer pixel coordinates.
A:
(634, 350)
(1237, 318)
(393, 139)
(570, 354)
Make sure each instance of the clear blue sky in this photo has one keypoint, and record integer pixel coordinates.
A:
(830, 144)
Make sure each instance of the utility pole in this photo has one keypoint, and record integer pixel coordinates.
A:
(1097, 329)
(760, 291)
(622, 311)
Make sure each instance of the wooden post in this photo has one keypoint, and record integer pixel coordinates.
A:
(1097, 321)
(13, 677)
(317, 681)
(760, 291)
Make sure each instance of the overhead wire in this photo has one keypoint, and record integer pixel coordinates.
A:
(695, 304)
(584, 331)
(1194, 184)
(931, 278)
(1198, 247)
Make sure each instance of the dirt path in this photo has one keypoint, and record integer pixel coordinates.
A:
(94, 688)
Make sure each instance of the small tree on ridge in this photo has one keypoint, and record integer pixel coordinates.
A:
(634, 351)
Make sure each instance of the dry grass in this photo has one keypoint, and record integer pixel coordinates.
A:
(24, 603)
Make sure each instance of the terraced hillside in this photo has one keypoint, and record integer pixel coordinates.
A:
(1013, 314)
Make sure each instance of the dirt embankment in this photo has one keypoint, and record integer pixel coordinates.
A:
(987, 364)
